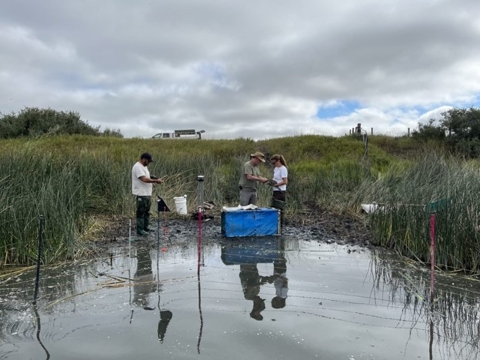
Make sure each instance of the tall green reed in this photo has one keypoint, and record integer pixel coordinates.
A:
(64, 190)
(446, 187)
(72, 179)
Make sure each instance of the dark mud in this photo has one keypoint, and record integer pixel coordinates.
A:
(320, 225)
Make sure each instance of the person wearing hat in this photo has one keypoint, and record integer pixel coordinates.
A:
(249, 179)
(142, 189)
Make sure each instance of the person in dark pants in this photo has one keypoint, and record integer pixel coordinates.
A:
(280, 281)
(251, 281)
(142, 189)
(143, 280)
(279, 183)
(165, 317)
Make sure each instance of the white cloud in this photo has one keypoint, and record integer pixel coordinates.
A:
(249, 69)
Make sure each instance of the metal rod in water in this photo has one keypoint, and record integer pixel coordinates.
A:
(432, 280)
(130, 268)
(158, 243)
(158, 260)
(199, 309)
(39, 257)
(432, 254)
(200, 179)
(39, 328)
(129, 242)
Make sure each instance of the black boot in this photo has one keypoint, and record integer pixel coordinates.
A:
(146, 222)
(141, 227)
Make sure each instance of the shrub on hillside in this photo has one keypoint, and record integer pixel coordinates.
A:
(31, 122)
(459, 129)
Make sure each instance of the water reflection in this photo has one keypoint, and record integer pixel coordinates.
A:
(248, 254)
(145, 284)
(280, 281)
(165, 317)
(39, 329)
(379, 298)
(451, 311)
(251, 281)
(143, 281)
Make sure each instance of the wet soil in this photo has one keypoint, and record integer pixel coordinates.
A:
(316, 224)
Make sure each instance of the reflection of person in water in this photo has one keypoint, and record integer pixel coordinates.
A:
(280, 282)
(143, 283)
(251, 281)
(165, 317)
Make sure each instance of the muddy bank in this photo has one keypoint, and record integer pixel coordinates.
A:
(320, 225)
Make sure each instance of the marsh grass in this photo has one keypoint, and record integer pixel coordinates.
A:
(71, 180)
(444, 186)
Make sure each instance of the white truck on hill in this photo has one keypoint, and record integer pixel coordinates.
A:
(180, 134)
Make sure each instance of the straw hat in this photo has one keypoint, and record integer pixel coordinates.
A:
(258, 155)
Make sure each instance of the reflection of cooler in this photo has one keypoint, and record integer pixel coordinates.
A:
(258, 222)
(251, 252)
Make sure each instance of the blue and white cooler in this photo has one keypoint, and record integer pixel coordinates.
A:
(240, 222)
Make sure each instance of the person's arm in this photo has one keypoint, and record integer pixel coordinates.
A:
(256, 178)
(248, 170)
(283, 182)
(149, 180)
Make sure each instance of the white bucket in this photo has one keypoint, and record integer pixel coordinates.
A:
(181, 204)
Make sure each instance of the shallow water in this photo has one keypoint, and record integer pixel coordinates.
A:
(248, 299)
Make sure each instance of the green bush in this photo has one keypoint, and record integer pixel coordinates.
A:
(34, 122)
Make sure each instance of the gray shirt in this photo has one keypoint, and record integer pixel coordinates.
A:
(249, 169)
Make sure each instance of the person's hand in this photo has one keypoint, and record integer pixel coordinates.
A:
(159, 181)
(263, 180)
(271, 182)
(264, 279)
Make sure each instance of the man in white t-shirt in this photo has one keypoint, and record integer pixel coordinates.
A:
(142, 189)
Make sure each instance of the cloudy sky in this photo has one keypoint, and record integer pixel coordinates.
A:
(257, 69)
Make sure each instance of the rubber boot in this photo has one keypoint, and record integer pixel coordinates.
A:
(146, 223)
(141, 226)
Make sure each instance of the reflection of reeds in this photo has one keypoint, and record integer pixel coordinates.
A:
(454, 312)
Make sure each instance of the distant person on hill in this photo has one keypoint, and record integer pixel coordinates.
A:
(249, 179)
(142, 188)
(279, 183)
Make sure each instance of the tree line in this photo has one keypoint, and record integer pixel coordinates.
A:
(34, 122)
(459, 129)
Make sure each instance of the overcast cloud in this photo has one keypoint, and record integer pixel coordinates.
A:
(257, 69)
